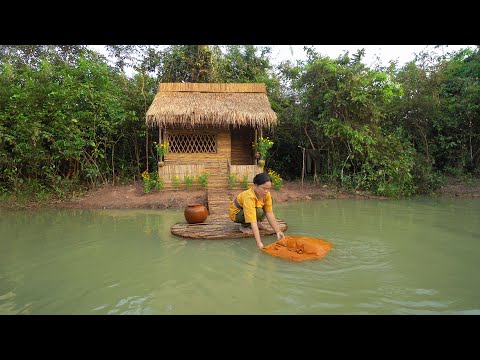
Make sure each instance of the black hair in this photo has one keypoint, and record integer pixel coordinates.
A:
(261, 178)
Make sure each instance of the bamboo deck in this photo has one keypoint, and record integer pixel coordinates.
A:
(219, 227)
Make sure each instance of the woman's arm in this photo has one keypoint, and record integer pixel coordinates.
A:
(274, 224)
(256, 234)
(250, 211)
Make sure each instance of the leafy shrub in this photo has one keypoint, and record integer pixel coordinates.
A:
(203, 179)
(176, 182)
(188, 180)
(277, 181)
(232, 180)
(244, 181)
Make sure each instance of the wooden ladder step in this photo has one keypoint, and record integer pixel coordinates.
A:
(218, 202)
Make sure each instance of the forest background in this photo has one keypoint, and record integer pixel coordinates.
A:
(71, 121)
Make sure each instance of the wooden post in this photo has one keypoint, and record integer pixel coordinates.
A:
(303, 163)
(146, 143)
(255, 160)
(165, 137)
(159, 143)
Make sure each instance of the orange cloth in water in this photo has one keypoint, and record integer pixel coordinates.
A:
(299, 248)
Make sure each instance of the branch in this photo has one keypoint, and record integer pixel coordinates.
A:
(311, 142)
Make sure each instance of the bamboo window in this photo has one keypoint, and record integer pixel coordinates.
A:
(192, 143)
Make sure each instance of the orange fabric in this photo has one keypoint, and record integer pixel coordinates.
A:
(299, 248)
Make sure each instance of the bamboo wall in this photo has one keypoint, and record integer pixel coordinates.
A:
(233, 145)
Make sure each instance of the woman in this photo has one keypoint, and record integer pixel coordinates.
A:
(251, 206)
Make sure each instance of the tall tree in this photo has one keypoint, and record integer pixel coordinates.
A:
(187, 63)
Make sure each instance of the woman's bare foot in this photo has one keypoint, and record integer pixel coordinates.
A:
(246, 230)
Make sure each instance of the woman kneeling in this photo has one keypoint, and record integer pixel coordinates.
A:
(251, 206)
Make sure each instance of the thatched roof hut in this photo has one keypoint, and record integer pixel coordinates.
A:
(211, 105)
(210, 127)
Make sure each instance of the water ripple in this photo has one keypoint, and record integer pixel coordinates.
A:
(389, 257)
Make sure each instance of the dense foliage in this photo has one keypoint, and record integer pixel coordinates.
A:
(69, 120)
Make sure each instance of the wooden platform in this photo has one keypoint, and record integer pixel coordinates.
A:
(219, 227)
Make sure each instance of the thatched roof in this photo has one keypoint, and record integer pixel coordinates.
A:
(218, 105)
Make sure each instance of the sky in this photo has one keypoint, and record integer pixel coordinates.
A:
(401, 53)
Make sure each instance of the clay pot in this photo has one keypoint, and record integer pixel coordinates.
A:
(195, 213)
(161, 164)
(261, 163)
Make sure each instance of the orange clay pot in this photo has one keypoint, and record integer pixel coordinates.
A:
(195, 213)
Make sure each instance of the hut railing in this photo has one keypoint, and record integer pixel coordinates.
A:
(218, 172)
(168, 172)
(240, 171)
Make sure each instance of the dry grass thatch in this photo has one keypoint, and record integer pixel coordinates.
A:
(217, 105)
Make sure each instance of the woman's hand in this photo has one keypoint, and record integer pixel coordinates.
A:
(260, 245)
(280, 235)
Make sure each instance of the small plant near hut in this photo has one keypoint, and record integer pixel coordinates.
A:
(176, 182)
(151, 180)
(188, 180)
(146, 181)
(159, 184)
(244, 181)
(232, 180)
(277, 181)
(203, 179)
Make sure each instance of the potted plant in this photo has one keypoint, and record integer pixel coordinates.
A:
(262, 147)
(162, 150)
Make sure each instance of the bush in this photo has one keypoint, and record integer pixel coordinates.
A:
(277, 181)
(151, 180)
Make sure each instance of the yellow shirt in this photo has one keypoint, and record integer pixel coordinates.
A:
(248, 201)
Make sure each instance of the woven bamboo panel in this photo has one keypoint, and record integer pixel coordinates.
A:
(192, 143)
(223, 143)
